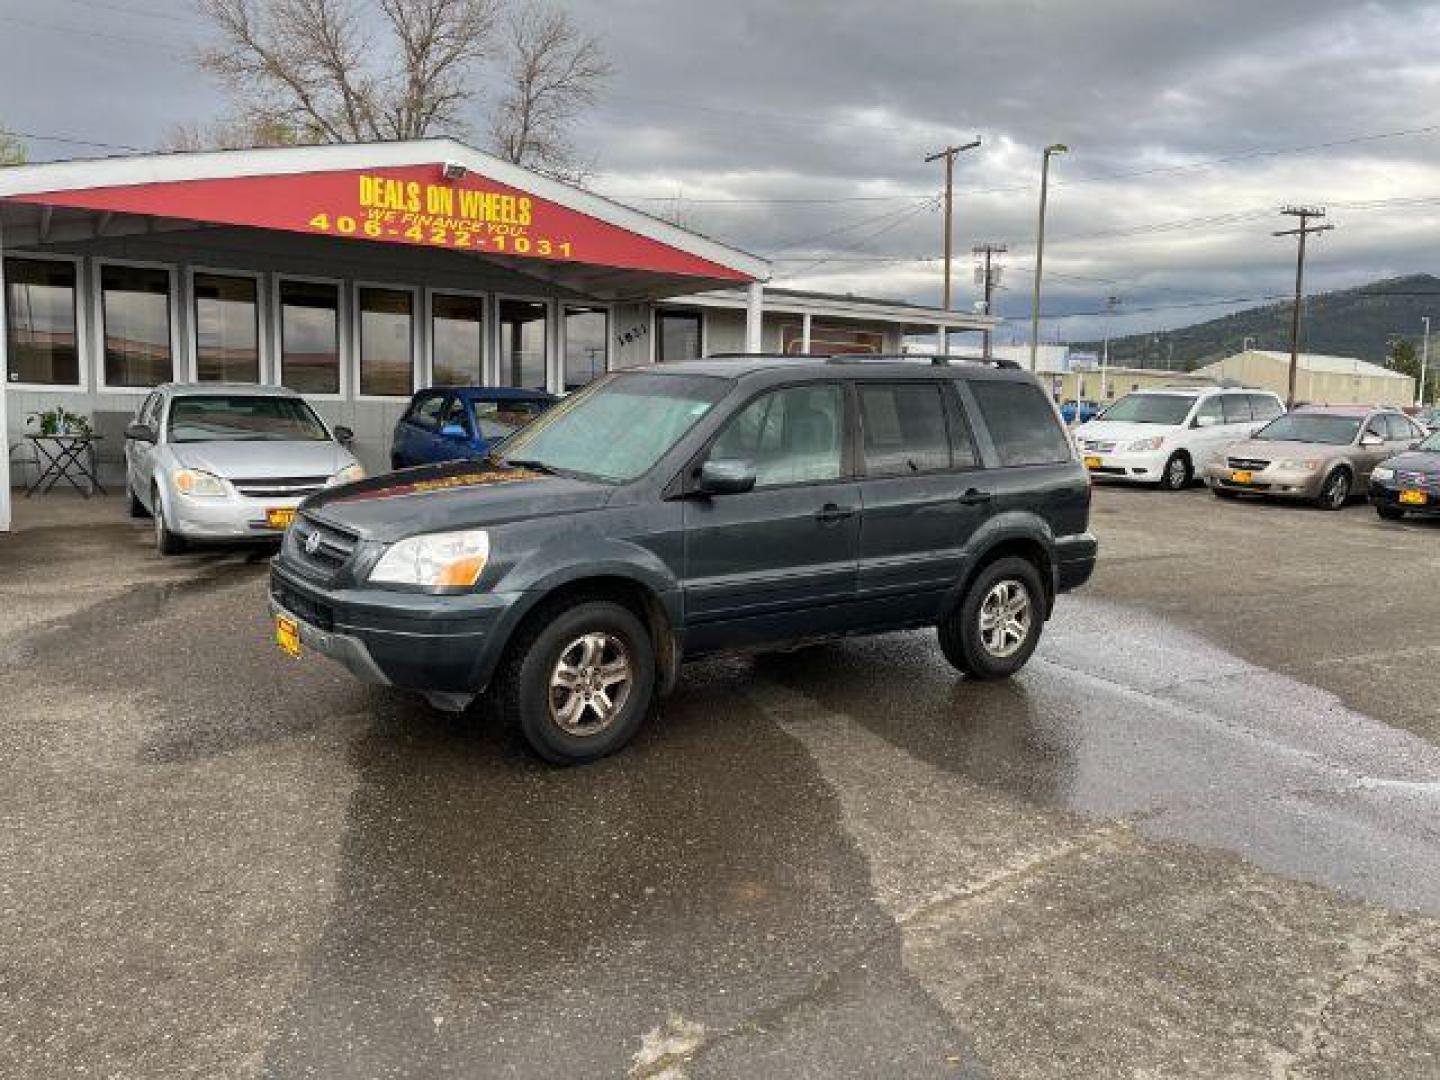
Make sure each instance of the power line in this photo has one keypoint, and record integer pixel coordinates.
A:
(149, 43)
(69, 140)
(127, 10)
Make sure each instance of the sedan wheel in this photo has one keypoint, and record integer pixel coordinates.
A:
(1336, 492)
(166, 542)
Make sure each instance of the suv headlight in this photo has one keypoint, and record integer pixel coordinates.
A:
(437, 560)
(202, 485)
(1139, 446)
(347, 475)
(1301, 464)
(1380, 472)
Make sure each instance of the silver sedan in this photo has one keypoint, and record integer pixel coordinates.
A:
(228, 462)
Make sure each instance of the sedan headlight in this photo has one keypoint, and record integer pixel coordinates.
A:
(1301, 464)
(202, 485)
(1380, 472)
(436, 561)
(347, 475)
(1139, 446)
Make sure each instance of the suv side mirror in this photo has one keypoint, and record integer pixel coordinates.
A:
(344, 434)
(140, 433)
(725, 476)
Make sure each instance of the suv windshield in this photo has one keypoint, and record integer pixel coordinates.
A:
(1168, 409)
(1311, 428)
(243, 418)
(497, 419)
(615, 430)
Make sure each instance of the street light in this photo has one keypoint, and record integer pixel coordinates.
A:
(1424, 360)
(1050, 151)
(1111, 303)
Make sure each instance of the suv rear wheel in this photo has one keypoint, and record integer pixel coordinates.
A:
(580, 682)
(997, 625)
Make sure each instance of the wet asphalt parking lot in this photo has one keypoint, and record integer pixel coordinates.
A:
(1199, 836)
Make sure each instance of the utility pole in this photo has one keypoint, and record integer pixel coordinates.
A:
(1050, 151)
(1111, 303)
(1424, 360)
(1304, 231)
(989, 275)
(949, 154)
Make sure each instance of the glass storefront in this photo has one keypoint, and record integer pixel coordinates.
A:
(387, 342)
(457, 339)
(524, 338)
(310, 336)
(135, 313)
(227, 328)
(587, 338)
(40, 315)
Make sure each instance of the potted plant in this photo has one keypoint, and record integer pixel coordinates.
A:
(60, 421)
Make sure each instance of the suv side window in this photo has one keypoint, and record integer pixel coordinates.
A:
(903, 427)
(1236, 408)
(1211, 409)
(1022, 423)
(1265, 407)
(425, 413)
(791, 436)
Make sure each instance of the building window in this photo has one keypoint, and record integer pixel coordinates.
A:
(587, 340)
(310, 336)
(829, 339)
(387, 342)
(135, 311)
(457, 339)
(40, 314)
(523, 343)
(227, 328)
(678, 337)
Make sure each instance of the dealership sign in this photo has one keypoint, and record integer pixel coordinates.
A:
(412, 205)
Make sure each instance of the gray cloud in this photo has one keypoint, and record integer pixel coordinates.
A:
(758, 99)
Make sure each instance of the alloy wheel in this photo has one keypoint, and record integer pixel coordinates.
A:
(1006, 615)
(1175, 473)
(1337, 491)
(590, 684)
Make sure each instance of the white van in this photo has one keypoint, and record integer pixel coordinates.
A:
(1168, 435)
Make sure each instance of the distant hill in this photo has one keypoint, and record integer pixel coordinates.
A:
(1351, 322)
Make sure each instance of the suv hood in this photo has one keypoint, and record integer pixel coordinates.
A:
(238, 459)
(455, 495)
(1123, 431)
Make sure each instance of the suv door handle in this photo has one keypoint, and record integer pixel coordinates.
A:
(975, 497)
(832, 512)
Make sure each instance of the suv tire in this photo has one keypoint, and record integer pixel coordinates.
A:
(1177, 474)
(1009, 588)
(554, 683)
(166, 542)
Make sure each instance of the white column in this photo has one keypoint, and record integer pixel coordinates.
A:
(805, 333)
(4, 387)
(754, 317)
(942, 340)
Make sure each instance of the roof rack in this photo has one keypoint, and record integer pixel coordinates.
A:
(935, 359)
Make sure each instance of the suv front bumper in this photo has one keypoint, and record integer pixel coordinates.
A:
(419, 641)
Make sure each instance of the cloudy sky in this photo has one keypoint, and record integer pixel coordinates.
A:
(797, 130)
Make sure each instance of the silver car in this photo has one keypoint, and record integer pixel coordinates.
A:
(214, 461)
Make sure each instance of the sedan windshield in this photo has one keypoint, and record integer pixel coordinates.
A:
(615, 430)
(1168, 409)
(1311, 428)
(497, 419)
(243, 418)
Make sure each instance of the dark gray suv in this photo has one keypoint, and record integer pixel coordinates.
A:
(674, 512)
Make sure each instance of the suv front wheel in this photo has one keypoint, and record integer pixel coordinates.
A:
(997, 625)
(580, 682)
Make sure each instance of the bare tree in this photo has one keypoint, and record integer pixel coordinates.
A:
(554, 72)
(313, 68)
(229, 134)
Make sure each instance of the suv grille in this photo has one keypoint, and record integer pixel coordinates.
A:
(332, 547)
(1252, 464)
(280, 487)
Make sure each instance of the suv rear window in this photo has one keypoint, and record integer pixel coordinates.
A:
(904, 429)
(1022, 423)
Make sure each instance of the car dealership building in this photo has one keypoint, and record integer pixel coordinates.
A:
(357, 274)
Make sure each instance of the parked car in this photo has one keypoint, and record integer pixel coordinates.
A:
(1319, 453)
(1408, 483)
(1428, 418)
(695, 508)
(1078, 412)
(212, 461)
(461, 422)
(1168, 436)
